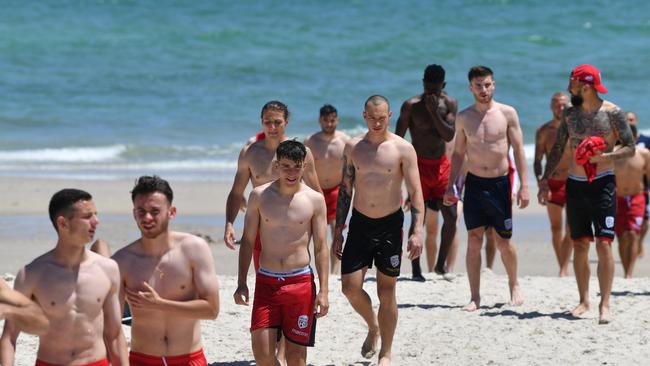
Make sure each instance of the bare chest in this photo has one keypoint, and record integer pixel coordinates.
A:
(422, 121)
(261, 167)
(293, 213)
(384, 159)
(65, 293)
(170, 275)
(582, 125)
(491, 128)
(324, 150)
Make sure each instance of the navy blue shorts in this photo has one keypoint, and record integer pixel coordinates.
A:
(591, 204)
(488, 202)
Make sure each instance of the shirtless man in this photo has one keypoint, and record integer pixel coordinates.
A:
(23, 313)
(630, 204)
(327, 147)
(76, 288)
(590, 203)
(255, 164)
(374, 166)
(642, 141)
(169, 281)
(286, 214)
(484, 132)
(430, 117)
(544, 140)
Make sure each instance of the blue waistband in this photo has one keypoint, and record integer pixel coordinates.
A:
(296, 272)
(584, 179)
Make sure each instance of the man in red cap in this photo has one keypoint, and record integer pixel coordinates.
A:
(591, 206)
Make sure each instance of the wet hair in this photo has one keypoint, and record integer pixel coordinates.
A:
(150, 184)
(479, 72)
(292, 150)
(276, 105)
(376, 100)
(327, 109)
(434, 74)
(635, 131)
(62, 203)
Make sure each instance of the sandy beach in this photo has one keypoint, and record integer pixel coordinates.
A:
(431, 330)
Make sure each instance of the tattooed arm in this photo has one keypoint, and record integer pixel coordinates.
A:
(539, 153)
(412, 180)
(622, 129)
(344, 200)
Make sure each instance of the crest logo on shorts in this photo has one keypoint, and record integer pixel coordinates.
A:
(302, 321)
(394, 260)
(639, 220)
(508, 224)
(609, 221)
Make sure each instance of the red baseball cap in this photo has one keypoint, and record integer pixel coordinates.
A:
(589, 74)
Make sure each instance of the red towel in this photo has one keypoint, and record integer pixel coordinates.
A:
(260, 136)
(589, 147)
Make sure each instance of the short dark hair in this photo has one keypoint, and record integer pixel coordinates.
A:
(292, 150)
(434, 74)
(327, 109)
(276, 105)
(635, 131)
(62, 203)
(150, 184)
(479, 72)
(376, 100)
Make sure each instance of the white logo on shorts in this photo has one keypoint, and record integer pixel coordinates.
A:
(609, 221)
(302, 321)
(639, 220)
(508, 224)
(394, 260)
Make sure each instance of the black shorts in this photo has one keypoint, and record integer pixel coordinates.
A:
(374, 239)
(591, 204)
(488, 202)
(434, 204)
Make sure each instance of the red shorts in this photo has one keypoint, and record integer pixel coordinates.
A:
(257, 251)
(434, 176)
(103, 362)
(558, 191)
(191, 359)
(286, 303)
(629, 213)
(331, 195)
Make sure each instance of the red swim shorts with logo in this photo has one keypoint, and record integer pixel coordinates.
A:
(629, 213)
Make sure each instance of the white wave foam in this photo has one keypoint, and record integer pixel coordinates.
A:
(64, 155)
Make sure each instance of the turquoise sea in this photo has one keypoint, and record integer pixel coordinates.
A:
(118, 88)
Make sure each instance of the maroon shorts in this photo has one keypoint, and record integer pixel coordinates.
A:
(558, 191)
(191, 359)
(331, 196)
(434, 176)
(103, 362)
(629, 213)
(286, 302)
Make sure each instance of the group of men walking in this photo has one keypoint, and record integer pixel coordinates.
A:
(168, 277)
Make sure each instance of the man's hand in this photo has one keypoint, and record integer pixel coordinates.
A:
(450, 198)
(337, 243)
(414, 246)
(406, 206)
(431, 103)
(523, 198)
(241, 295)
(598, 158)
(148, 298)
(229, 236)
(322, 305)
(542, 193)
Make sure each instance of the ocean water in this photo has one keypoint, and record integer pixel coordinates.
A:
(109, 89)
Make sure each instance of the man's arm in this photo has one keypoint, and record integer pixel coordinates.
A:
(516, 139)
(113, 337)
(24, 313)
(235, 198)
(412, 181)
(403, 119)
(205, 306)
(457, 161)
(321, 255)
(624, 133)
(11, 332)
(554, 157)
(251, 228)
(310, 177)
(539, 153)
(344, 200)
(444, 126)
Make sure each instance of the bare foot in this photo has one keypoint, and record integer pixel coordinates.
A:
(564, 273)
(384, 361)
(605, 316)
(580, 309)
(369, 347)
(472, 306)
(515, 296)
